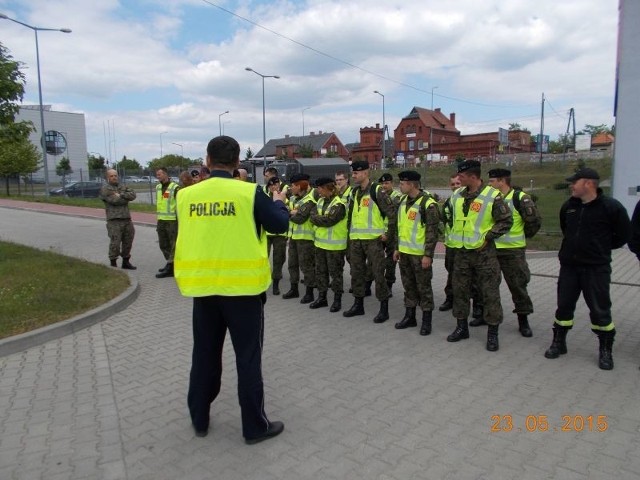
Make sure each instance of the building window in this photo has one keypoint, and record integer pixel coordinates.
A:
(412, 145)
(420, 144)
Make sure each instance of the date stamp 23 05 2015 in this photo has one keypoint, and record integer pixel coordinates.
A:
(542, 423)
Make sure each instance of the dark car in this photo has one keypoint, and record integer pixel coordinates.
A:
(78, 189)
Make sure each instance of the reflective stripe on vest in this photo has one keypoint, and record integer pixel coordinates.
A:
(166, 201)
(218, 251)
(334, 237)
(366, 220)
(411, 227)
(514, 238)
(469, 231)
(303, 231)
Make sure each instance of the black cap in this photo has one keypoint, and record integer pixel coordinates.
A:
(324, 181)
(195, 173)
(468, 165)
(409, 176)
(386, 177)
(499, 173)
(297, 177)
(589, 173)
(359, 165)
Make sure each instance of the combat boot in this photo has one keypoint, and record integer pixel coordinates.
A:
(356, 309)
(336, 306)
(559, 344)
(478, 316)
(446, 305)
(425, 329)
(492, 338)
(167, 273)
(114, 262)
(321, 301)
(461, 332)
(126, 264)
(367, 289)
(308, 295)
(160, 270)
(276, 287)
(292, 293)
(523, 326)
(409, 319)
(383, 314)
(605, 362)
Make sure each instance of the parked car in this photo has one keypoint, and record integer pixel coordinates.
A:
(147, 179)
(132, 179)
(78, 189)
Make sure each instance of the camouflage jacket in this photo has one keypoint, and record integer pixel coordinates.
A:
(116, 200)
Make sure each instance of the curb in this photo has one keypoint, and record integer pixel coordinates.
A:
(21, 342)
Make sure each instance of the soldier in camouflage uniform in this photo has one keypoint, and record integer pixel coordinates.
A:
(386, 183)
(418, 221)
(369, 207)
(120, 229)
(301, 249)
(276, 241)
(478, 216)
(511, 246)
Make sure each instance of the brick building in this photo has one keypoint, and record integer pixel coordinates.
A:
(319, 145)
(370, 146)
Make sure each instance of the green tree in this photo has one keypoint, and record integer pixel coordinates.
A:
(306, 151)
(517, 126)
(128, 166)
(17, 158)
(248, 155)
(596, 129)
(63, 168)
(96, 164)
(12, 82)
(170, 162)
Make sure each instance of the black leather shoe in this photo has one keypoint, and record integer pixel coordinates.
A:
(275, 429)
(446, 305)
(166, 273)
(160, 270)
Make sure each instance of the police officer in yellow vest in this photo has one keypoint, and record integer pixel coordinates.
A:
(167, 226)
(221, 260)
(478, 216)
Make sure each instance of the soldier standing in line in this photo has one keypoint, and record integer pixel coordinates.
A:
(367, 234)
(276, 241)
(512, 245)
(167, 227)
(301, 250)
(454, 184)
(478, 216)
(386, 183)
(120, 229)
(330, 220)
(418, 221)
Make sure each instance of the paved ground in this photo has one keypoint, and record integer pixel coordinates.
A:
(359, 401)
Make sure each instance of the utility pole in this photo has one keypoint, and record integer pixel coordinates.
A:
(572, 117)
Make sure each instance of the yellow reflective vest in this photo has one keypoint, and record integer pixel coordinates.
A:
(367, 222)
(468, 231)
(166, 201)
(334, 237)
(303, 231)
(515, 237)
(411, 226)
(218, 251)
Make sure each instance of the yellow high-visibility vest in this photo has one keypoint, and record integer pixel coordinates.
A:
(411, 227)
(303, 231)
(468, 231)
(447, 211)
(334, 237)
(166, 201)
(367, 222)
(218, 251)
(515, 237)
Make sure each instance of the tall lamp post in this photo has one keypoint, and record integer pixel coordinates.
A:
(264, 124)
(44, 143)
(307, 108)
(161, 144)
(181, 150)
(220, 121)
(431, 128)
(384, 129)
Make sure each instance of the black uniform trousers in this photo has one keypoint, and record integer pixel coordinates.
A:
(243, 316)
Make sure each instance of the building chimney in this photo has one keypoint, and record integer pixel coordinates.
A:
(452, 117)
(286, 136)
(312, 134)
(320, 132)
(377, 125)
(437, 110)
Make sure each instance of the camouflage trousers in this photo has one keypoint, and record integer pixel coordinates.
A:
(390, 265)
(515, 270)
(330, 263)
(449, 259)
(279, 245)
(371, 251)
(416, 282)
(121, 233)
(302, 258)
(482, 268)
(167, 235)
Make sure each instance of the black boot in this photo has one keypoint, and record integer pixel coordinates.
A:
(292, 293)
(336, 306)
(477, 315)
(446, 305)
(383, 314)
(425, 329)
(559, 344)
(114, 262)
(492, 338)
(321, 301)
(523, 326)
(167, 273)
(605, 362)
(367, 289)
(409, 319)
(160, 270)
(461, 332)
(276, 287)
(356, 309)
(126, 264)
(308, 296)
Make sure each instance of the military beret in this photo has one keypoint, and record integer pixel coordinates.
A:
(297, 177)
(359, 165)
(273, 180)
(468, 165)
(195, 173)
(386, 177)
(588, 173)
(324, 181)
(409, 176)
(499, 173)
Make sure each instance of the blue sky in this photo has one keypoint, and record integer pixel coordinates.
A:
(147, 67)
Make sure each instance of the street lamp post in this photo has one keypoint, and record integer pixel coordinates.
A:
(161, 144)
(220, 121)
(264, 124)
(181, 150)
(431, 128)
(44, 143)
(384, 129)
(307, 108)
